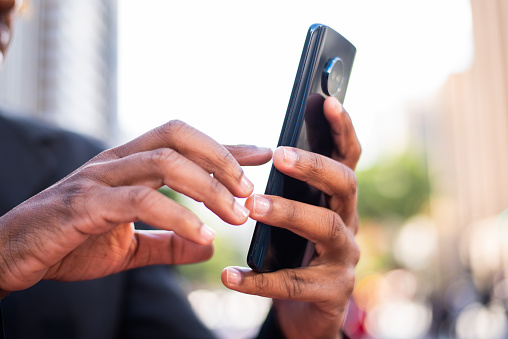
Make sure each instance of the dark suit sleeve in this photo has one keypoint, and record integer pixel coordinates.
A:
(270, 328)
(157, 307)
(2, 332)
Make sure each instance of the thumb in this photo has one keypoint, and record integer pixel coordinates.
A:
(168, 248)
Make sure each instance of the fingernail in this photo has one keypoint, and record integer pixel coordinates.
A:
(233, 276)
(246, 184)
(261, 205)
(240, 210)
(207, 233)
(290, 156)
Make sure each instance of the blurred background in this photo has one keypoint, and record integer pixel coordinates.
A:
(428, 97)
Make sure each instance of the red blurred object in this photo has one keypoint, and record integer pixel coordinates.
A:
(354, 324)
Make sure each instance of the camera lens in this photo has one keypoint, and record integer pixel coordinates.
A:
(332, 76)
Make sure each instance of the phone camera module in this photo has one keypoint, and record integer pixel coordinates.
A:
(332, 76)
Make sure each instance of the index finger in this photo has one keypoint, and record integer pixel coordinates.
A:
(197, 147)
(347, 147)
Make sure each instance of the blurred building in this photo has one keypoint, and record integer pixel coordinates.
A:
(449, 278)
(469, 159)
(62, 64)
(470, 147)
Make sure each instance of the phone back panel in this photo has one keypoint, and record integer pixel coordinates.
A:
(304, 127)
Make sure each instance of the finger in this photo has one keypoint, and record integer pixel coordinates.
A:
(311, 284)
(248, 155)
(347, 145)
(165, 166)
(194, 145)
(108, 207)
(326, 174)
(320, 225)
(167, 248)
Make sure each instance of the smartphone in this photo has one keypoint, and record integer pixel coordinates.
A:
(324, 70)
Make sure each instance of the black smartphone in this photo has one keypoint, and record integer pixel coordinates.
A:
(324, 70)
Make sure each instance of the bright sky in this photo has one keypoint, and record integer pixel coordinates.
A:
(227, 67)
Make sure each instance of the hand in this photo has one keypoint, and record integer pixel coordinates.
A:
(82, 227)
(311, 302)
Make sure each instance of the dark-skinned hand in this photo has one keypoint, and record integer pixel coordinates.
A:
(311, 302)
(82, 227)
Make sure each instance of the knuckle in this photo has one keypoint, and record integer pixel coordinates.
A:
(292, 213)
(90, 171)
(353, 154)
(336, 229)
(111, 154)
(292, 284)
(354, 222)
(224, 154)
(345, 280)
(75, 189)
(170, 129)
(349, 278)
(162, 157)
(261, 282)
(355, 253)
(229, 162)
(75, 200)
(358, 150)
(73, 193)
(106, 155)
(138, 195)
(343, 285)
(351, 187)
(173, 126)
(316, 164)
(216, 187)
(166, 158)
(159, 160)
